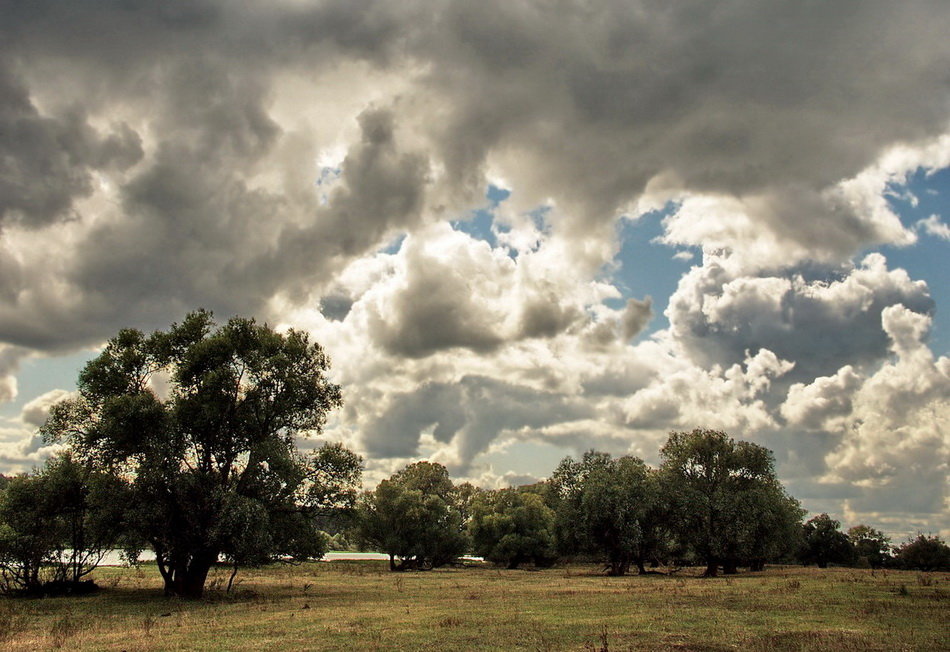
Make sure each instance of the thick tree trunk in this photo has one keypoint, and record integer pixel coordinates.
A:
(186, 578)
(712, 568)
(641, 569)
(730, 567)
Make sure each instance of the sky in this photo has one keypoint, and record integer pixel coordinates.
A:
(521, 229)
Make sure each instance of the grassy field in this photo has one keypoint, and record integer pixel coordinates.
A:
(362, 606)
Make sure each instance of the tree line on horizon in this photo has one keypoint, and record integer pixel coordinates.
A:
(209, 473)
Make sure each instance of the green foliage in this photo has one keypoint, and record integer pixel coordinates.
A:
(823, 543)
(57, 523)
(215, 468)
(870, 545)
(413, 516)
(512, 527)
(724, 500)
(926, 553)
(608, 507)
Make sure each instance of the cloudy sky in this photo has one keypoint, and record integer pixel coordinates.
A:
(522, 229)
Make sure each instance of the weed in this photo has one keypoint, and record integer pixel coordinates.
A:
(147, 624)
(451, 621)
(926, 580)
(604, 642)
(902, 590)
(61, 629)
(12, 622)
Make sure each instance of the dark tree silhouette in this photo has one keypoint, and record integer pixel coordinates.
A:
(824, 543)
(216, 472)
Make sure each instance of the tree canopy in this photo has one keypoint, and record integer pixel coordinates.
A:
(412, 516)
(608, 507)
(511, 527)
(926, 553)
(824, 543)
(203, 419)
(719, 492)
(56, 524)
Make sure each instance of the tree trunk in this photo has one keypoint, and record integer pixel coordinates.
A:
(186, 578)
(730, 567)
(641, 569)
(712, 568)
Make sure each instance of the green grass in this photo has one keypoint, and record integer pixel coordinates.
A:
(362, 606)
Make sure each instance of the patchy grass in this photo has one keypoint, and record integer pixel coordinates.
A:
(361, 605)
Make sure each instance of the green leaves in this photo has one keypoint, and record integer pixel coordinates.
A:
(204, 418)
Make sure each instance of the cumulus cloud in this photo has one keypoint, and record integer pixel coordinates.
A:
(820, 317)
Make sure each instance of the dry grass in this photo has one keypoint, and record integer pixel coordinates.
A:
(361, 605)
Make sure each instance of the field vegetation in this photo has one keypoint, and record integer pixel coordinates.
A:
(361, 605)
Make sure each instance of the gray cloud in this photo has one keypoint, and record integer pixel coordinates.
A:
(821, 321)
(636, 316)
(470, 414)
(48, 161)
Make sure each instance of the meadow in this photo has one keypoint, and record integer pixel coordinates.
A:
(360, 605)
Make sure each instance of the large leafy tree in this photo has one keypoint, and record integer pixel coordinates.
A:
(413, 517)
(608, 507)
(511, 527)
(203, 420)
(719, 492)
(824, 543)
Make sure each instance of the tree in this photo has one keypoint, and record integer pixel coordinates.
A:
(214, 466)
(823, 543)
(718, 491)
(870, 544)
(768, 527)
(56, 525)
(512, 527)
(412, 516)
(926, 553)
(608, 507)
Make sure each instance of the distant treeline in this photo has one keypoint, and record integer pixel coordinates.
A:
(713, 501)
(208, 472)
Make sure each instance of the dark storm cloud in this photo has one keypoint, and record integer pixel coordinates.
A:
(775, 99)
(47, 161)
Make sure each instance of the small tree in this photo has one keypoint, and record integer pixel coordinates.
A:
(926, 553)
(823, 543)
(412, 516)
(870, 544)
(512, 527)
(57, 524)
(214, 465)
